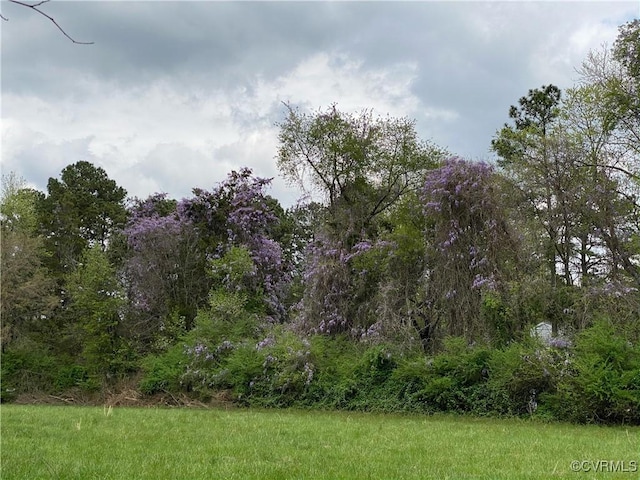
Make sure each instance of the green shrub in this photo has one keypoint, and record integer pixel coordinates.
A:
(370, 387)
(461, 361)
(598, 380)
(30, 368)
(227, 318)
(335, 359)
(220, 350)
(163, 373)
(603, 384)
(72, 376)
(441, 393)
(410, 378)
(453, 377)
(27, 368)
(243, 372)
(518, 375)
(288, 367)
(279, 370)
(376, 365)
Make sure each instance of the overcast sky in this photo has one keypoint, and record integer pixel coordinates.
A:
(174, 95)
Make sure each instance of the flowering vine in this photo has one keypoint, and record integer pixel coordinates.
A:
(469, 240)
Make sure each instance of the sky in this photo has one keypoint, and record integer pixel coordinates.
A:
(175, 95)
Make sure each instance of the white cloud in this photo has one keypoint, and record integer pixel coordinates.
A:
(172, 137)
(560, 52)
(177, 107)
(329, 77)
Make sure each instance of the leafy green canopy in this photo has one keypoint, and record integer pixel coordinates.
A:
(84, 208)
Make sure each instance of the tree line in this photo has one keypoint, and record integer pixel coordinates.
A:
(406, 246)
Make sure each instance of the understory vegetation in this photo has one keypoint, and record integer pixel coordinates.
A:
(415, 281)
(596, 381)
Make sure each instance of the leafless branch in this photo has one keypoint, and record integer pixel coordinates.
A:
(612, 167)
(34, 7)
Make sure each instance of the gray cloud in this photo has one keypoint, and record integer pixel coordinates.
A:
(199, 85)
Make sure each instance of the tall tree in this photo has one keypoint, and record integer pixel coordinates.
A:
(239, 213)
(361, 166)
(471, 252)
(539, 161)
(173, 246)
(616, 72)
(608, 207)
(18, 204)
(626, 51)
(82, 209)
(576, 165)
(165, 270)
(27, 297)
(96, 300)
(614, 75)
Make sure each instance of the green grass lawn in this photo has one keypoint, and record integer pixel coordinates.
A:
(133, 443)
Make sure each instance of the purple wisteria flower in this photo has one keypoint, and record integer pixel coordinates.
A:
(266, 342)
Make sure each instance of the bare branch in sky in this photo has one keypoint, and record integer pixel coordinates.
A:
(34, 7)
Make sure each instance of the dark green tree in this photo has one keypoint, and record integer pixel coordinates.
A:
(82, 209)
(95, 309)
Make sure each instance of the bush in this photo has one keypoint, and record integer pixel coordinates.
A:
(73, 376)
(288, 366)
(603, 384)
(29, 368)
(465, 363)
(455, 376)
(376, 365)
(26, 370)
(442, 393)
(411, 378)
(283, 369)
(227, 318)
(243, 372)
(519, 374)
(369, 385)
(163, 373)
(334, 359)
(598, 380)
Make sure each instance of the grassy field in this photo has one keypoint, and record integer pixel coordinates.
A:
(136, 443)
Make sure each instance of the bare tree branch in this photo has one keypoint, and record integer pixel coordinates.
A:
(612, 167)
(34, 7)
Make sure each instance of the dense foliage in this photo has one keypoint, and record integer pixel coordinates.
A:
(418, 281)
